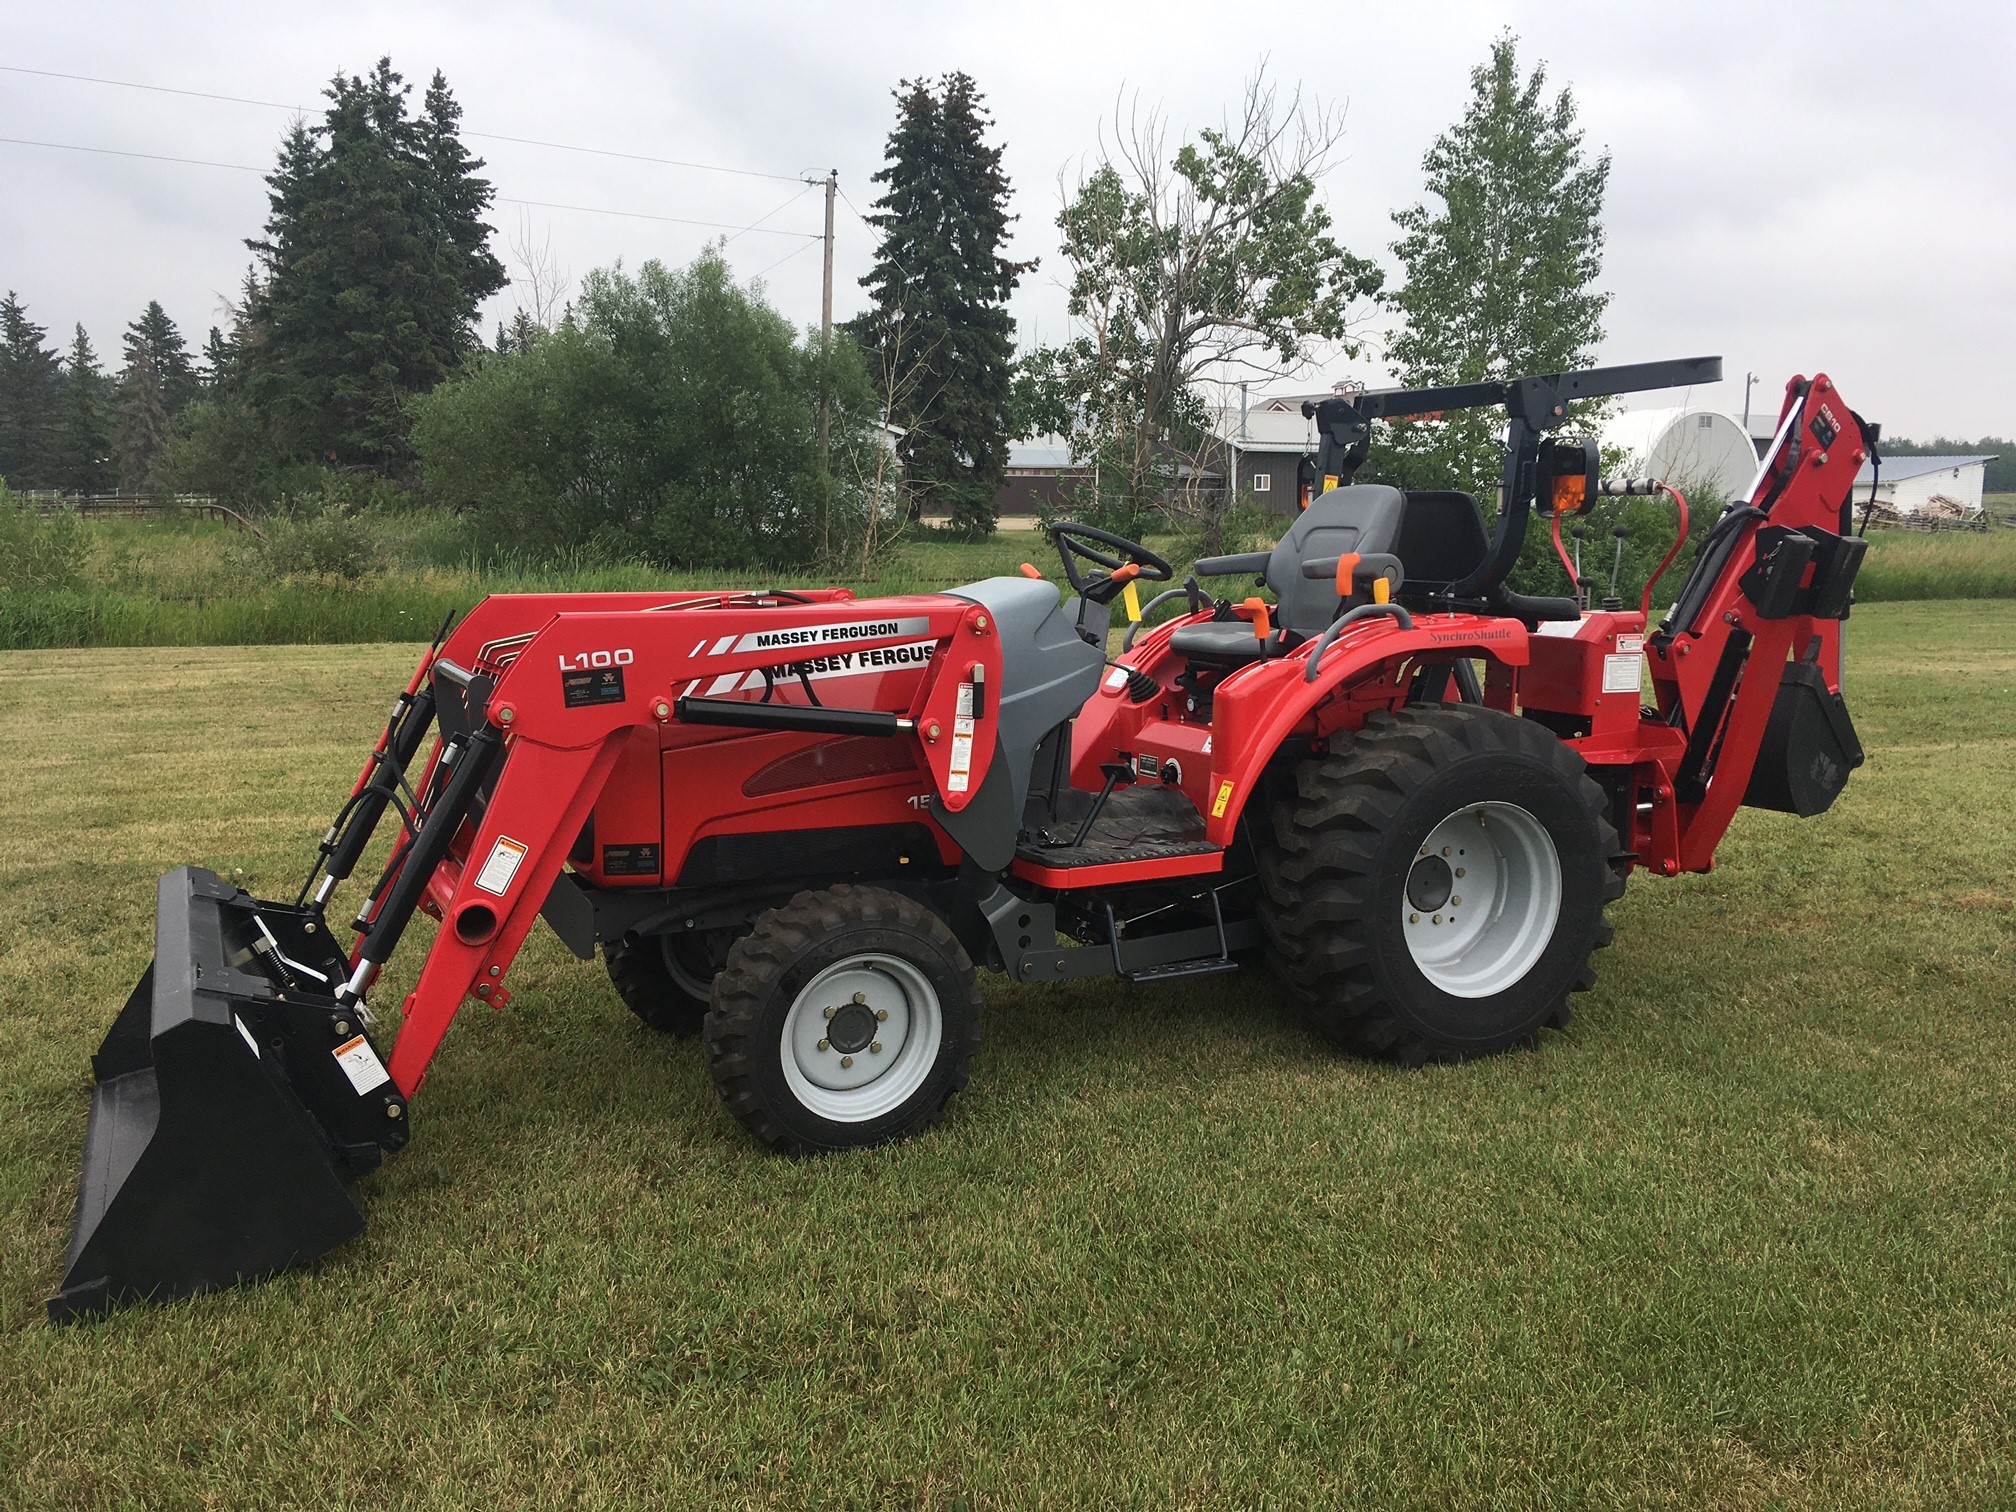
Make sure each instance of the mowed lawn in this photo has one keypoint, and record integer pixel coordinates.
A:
(1740, 1237)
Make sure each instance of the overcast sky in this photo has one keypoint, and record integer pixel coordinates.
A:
(1794, 186)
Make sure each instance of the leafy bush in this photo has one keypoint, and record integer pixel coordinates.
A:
(323, 533)
(673, 416)
(38, 551)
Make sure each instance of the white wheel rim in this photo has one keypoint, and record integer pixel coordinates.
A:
(875, 1049)
(1482, 897)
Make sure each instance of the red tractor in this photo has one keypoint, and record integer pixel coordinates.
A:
(797, 823)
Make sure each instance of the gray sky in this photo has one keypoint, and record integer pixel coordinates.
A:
(1795, 186)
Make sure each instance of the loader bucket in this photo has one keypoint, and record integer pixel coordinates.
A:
(236, 1098)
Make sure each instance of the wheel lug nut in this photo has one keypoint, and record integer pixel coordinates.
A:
(1459, 871)
(1436, 920)
(874, 1047)
(1455, 902)
(1413, 918)
(860, 997)
(829, 1012)
(881, 1015)
(1445, 850)
(846, 1061)
(825, 1044)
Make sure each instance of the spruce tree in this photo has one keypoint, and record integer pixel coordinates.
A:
(143, 419)
(169, 354)
(83, 439)
(30, 382)
(375, 259)
(939, 339)
(1500, 276)
(220, 357)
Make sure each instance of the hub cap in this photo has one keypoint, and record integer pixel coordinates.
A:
(861, 1037)
(1483, 897)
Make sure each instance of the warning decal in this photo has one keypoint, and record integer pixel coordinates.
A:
(505, 857)
(1620, 674)
(1223, 801)
(360, 1063)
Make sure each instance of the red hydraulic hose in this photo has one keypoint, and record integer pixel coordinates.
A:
(1574, 582)
(1679, 503)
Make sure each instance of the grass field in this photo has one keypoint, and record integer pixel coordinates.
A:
(193, 583)
(1740, 1237)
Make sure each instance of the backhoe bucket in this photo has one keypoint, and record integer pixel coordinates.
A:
(236, 1098)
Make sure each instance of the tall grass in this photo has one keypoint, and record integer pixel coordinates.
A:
(1949, 565)
(180, 583)
(193, 583)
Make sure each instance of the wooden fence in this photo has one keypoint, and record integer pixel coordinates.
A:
(107, 506)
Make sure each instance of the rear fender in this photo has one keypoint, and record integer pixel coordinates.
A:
(1254, 711)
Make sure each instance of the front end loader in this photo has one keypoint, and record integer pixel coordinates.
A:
(797, 824)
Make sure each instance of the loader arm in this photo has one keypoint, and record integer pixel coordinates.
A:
(552, 712)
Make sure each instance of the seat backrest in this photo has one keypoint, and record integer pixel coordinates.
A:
(1442, 539)
(1364, 517)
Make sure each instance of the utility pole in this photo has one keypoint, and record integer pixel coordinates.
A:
(826, 325)
(1748, 378)
(826, 306)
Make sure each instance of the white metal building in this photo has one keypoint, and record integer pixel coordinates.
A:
(1909, 484)
(1686, 446)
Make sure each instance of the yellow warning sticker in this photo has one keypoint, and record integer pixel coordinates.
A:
(1132, 599)
(1222, 801)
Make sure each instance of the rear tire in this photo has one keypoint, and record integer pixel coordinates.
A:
(1364, 870)
(667, 980)
(844, 1019)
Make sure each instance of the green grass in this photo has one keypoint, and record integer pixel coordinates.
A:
(1740, 1237)
(1960, 564)
(191, 583)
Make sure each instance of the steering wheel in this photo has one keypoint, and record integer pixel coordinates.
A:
(1070, 538)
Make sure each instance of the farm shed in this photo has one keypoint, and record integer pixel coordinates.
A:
(1685, 445)
(1914, 485)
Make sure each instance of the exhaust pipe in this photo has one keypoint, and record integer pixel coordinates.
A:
(237, 1097)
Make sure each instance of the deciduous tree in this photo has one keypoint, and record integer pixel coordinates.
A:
(1500, 265)
(1215, 260)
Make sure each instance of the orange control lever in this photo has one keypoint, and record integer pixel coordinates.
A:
(1029, 570)
(1347, 569)
(1126, 573)
(1255, 609)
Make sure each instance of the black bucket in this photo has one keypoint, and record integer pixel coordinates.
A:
(236, 1100)
(1809, 747)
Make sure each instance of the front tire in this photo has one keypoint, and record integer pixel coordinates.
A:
(844, 1019)
(1434, 888)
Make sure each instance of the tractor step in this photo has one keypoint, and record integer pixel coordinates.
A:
(1177, 970)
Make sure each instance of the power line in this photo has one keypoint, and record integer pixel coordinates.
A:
(488, 136)
(502, 199)
(758, 224)
(152, 157)
(800, 252)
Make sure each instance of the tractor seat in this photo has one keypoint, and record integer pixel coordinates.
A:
(1364, 518)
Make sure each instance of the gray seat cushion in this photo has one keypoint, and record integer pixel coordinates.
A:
(1226, 643)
